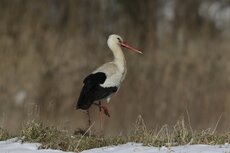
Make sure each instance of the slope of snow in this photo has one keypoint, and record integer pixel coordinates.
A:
(15, 146)
(138, 148)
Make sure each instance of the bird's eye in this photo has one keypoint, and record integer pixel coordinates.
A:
(119, 39)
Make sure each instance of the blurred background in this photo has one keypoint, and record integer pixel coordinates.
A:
(47, 47)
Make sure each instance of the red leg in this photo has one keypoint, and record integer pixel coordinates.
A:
(105, 109)
(100, 113)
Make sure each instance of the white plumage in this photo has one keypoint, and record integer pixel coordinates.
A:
(115, 71)
(105, 80)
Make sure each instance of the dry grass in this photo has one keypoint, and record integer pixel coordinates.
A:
(179, 134)
(51, 137)
(4, 134)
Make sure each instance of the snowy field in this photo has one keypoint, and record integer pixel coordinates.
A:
(138, 148)
(14, 146)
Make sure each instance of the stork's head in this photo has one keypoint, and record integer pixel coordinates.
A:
(115, 40)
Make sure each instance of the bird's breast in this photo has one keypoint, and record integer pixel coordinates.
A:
(113, 80)
(114, 72)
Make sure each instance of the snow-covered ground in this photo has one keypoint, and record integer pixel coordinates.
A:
(14, 146)
(138, 148)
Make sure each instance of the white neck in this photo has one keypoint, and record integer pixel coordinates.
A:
(119, 57)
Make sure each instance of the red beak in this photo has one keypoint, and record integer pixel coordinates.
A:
(130, 47)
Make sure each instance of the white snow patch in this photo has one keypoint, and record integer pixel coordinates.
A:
(15, 146)
(138, 148)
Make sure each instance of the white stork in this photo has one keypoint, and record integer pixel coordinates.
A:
(105, 80)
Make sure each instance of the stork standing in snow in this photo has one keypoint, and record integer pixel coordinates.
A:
(105, 80)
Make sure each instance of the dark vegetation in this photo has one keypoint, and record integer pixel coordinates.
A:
(47, 47)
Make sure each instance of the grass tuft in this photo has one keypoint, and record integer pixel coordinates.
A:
(4, 134)
(48, 136)
(179, 134)
(51, 137)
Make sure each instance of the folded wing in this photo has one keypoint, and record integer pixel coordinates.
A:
(92, 91)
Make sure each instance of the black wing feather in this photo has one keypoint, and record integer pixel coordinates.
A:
(92, 91)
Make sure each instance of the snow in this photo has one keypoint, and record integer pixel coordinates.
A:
(138, 148)
(15, 146)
